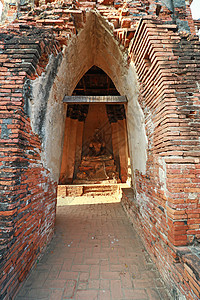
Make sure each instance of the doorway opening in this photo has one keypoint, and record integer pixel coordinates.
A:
(95, 148)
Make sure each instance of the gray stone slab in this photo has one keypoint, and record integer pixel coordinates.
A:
(95, 99)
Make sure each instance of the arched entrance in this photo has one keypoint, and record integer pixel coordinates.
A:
(95, 146)
(95, 45)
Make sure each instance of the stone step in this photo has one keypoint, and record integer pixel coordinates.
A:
(70, 190)
(87, 190)
(88, 168)
(100, 189)
(97, 158)
(96, 181)
(89, 163)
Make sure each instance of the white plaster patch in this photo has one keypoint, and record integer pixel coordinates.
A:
(135, 122)
(198, 85)
(192, 196)
(162, 173)
(47, 115)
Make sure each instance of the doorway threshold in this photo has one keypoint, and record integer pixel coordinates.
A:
(91, 189)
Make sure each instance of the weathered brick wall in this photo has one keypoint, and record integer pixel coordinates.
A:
(28, 194)
(166, 205)
(168, 73)
(184, 187)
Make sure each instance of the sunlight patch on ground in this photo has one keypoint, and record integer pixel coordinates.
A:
(84, 200)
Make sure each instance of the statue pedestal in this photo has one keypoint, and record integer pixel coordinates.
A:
(94, 169)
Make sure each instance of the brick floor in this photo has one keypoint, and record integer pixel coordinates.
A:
(95, 254)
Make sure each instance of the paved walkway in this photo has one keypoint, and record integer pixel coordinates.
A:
(95, 254)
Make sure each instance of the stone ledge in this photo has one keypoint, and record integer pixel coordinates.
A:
(190, 259)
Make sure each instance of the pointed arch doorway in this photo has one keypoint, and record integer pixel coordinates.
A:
(95, 148)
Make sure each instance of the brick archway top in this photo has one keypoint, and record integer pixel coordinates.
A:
(65, 20)
(67, 17)
(96, 45)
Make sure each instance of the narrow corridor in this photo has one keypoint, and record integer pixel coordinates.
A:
(95, 254)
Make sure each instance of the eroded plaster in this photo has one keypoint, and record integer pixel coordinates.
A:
(94, 45)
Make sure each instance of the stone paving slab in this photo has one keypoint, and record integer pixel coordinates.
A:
(95, 254)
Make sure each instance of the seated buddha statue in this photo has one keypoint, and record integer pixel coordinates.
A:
(97, 145)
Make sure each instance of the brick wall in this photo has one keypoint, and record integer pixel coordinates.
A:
(168, 74)
(166, 205)
(28, 194)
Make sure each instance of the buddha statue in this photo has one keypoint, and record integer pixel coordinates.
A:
(97, 145)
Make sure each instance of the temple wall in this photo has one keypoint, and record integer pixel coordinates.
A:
(157, 68)
(27, 191)
(165, 201)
